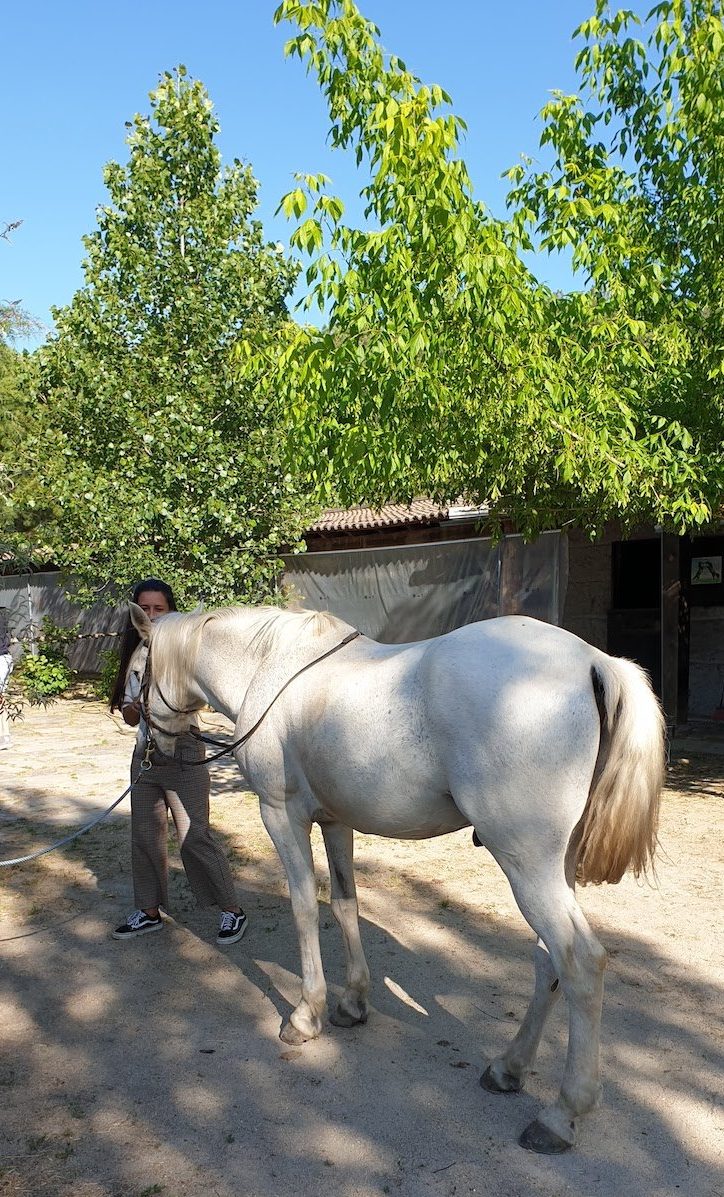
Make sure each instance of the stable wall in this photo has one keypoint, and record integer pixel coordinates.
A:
(706, 662)
(588, 597)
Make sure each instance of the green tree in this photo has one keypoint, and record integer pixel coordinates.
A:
(636, 190)
(19, 494)
(27, 508)
(15, 322)
(160, 461)
(446, 368)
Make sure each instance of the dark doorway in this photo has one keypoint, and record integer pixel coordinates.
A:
(634, 621)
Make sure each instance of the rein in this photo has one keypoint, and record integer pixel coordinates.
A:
(228, 748)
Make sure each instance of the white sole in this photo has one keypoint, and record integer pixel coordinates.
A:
(226, 943)
(135, 934)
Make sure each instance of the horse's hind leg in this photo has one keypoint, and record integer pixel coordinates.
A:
(507, 1073)
(578, 960)
(339, 843)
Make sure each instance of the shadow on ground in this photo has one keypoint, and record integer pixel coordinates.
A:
(155, 1068)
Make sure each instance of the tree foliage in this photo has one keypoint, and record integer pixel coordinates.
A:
(25, 503)
(446, 368)
(636, 191)
(161, 462)
(15, 322)
(19, 494)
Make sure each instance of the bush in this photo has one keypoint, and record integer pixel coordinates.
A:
(44, 677)
(104, 683)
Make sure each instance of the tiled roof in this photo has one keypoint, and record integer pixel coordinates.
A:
(392, 515)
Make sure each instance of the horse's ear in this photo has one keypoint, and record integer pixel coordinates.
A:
(141, 622)
(198, 610)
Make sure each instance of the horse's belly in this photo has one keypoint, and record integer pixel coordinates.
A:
(394, 811)
(375, 770)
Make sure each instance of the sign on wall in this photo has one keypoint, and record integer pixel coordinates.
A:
(706, 571)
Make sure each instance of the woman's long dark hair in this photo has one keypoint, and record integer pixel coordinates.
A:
(131, 639)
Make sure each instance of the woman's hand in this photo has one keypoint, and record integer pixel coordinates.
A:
(131, 712)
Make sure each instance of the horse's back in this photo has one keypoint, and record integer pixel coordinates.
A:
(508, 665)
(388, 736)
(510, 634)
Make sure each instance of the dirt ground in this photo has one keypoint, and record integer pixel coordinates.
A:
(155, 1067)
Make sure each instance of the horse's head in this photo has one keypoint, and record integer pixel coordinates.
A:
(167, 714)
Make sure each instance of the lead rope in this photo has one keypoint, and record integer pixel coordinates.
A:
(147, 762)
(74, 836)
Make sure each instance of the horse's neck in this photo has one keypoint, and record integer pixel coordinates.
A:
(235, 667)
(226, 665)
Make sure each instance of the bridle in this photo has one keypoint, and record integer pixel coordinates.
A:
(145, 687)
(226, 748)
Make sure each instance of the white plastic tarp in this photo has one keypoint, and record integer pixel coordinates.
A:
(28, 598)
(411, 592)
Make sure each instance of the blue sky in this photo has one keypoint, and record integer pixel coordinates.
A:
(73, 73)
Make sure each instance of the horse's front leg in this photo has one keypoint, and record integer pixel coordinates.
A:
(290, 837)
(339, 843)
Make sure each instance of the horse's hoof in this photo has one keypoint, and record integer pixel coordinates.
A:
(343, 1018)
(538, 1137)
(290, 1034)
(513, 1084)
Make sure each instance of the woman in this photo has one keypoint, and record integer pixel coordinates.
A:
(180, 784)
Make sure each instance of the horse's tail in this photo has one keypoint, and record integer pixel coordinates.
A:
(618, 828)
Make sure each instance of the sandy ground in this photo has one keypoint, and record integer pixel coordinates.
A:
(155, 1067)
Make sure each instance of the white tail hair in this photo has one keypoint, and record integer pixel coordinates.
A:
(618, 829)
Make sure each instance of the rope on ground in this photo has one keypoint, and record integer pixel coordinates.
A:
(38, 930)
(16, 860)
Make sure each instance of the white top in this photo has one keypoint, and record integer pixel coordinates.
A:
(130, 694)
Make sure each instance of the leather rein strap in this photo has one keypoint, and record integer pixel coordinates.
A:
(229, 748)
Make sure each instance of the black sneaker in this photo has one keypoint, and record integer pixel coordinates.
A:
(138, 923)
(231, 927)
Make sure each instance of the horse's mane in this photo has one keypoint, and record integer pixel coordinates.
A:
(263, 631)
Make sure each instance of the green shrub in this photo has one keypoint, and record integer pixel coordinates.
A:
(106, 680)
(44, 677)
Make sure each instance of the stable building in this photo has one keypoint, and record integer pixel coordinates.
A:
(405, 572)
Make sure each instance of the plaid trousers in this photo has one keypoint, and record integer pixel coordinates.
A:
(181, 786)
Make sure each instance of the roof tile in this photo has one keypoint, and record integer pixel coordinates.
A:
(392, 515)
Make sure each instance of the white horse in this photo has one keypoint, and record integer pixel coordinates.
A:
(552, 751)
